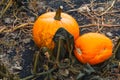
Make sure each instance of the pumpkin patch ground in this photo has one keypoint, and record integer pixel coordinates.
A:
(27, 54)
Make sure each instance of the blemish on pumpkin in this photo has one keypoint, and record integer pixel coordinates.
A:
(78, 50)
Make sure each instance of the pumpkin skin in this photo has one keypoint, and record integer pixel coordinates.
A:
(93, 48)
(46, 26)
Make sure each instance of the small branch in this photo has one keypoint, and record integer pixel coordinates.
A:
(39, 74)
(2, 29)
(30, 11)
(114, 11)
(20, 26)
(116, 50)
(8, 5)
(14, 28)
(108, 8)
(105, 25)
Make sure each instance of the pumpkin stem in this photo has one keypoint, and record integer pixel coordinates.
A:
(58, 13)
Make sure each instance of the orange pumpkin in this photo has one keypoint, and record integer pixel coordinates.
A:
(93, 48)
(48, 23)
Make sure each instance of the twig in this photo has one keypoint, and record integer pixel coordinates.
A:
(8, 5)
(105, 25)
(30, 11)
(115, 15)
(39, 74)
(15, 28)
(108, 8)
(69, 3)
(20, 26)
(100, 27)
(2, 29)
(116, 50)
(114, 11)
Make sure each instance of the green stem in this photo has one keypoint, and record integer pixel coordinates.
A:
(58, 13)
(36, 59)
(70, 48)
(3, 74)
(58, 51)
(117, 49)
(39, 74)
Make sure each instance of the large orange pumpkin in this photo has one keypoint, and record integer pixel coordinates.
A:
(93, 48)
(48, 23)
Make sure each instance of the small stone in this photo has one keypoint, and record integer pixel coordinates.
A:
(26, 40)
(109, 34)
(2, 56)
(100, 9)
(8, 20)
(32, 19)
(84, 8)
(64, 72)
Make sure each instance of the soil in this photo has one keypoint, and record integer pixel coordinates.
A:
(17, 47)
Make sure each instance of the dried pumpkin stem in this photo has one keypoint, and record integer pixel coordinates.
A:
(58, 13)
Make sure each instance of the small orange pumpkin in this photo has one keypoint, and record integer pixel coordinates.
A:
(48, 23)
(93, 48)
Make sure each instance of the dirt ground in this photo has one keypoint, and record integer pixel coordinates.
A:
(17, 47)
